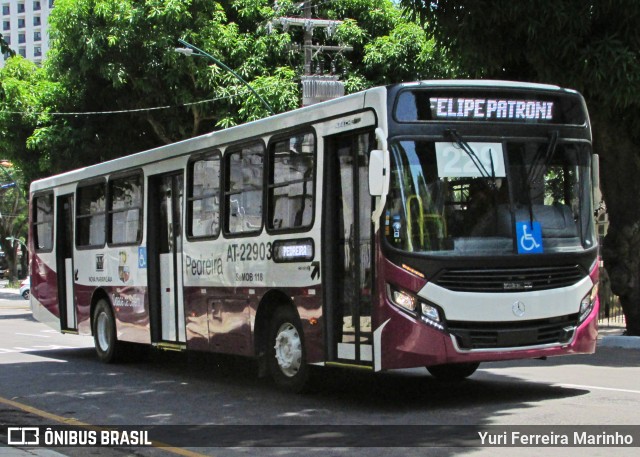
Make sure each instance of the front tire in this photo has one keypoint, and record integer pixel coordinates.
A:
(286, 354)
(453, 372)
(104, 332)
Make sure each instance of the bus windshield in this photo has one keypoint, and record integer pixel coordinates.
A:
(467, 198)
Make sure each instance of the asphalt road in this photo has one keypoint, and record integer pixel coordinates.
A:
(47, 379)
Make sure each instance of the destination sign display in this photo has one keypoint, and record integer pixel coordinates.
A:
(299, 250)
(514, 107)
(490, 109)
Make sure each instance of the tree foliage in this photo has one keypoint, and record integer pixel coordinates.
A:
(591, 46)
(24, 95)
(112, 62)
(13, 217)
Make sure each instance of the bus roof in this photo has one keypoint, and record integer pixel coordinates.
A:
(483, 84)
(282, 121)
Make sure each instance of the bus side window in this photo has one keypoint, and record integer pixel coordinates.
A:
(244, 188)
(125, 210)
(291, 183)
(91, 215)
(203, 217)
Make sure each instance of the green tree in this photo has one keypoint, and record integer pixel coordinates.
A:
(13, 217)
(21, 86)
(117, 56)
(388, 48)
(591, 46)
(25, 93)
(114, 58)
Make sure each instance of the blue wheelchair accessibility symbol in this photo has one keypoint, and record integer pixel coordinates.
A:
(142, 257)
(529, 237)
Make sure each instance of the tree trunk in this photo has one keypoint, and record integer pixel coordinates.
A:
(619, 170)
(631, 308)
(621, 252)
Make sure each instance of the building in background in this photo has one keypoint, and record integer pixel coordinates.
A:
(25, 27)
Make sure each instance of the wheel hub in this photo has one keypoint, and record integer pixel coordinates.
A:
(103, 331)
(288, 349)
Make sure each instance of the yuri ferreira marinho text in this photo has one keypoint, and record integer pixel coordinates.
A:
(583, 438)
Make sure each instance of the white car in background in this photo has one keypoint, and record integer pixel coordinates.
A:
(25, 288)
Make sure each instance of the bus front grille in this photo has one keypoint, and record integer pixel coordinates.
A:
(509, 279)
(496, 335)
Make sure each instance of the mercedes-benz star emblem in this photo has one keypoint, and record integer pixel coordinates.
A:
(518, 308)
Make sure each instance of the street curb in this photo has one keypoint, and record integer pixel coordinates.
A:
(624, 342)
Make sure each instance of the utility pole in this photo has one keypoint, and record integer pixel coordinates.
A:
(308, 38)
(315, 87)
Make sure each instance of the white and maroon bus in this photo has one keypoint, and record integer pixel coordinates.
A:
(433, 224)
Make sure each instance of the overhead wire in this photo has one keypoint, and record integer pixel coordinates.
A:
(125, 111)
(138, 110)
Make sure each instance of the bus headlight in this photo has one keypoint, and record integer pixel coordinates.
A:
(587, 303)
(430, 312)
(402, 299)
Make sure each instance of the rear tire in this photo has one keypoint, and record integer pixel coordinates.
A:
(26, 294)
(286, 354)
(453, 372)
(104, 333)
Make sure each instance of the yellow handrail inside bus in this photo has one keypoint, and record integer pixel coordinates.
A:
(424, 222)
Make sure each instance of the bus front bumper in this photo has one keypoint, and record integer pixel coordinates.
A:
(407, 342)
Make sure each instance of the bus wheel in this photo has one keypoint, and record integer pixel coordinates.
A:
(104, 332)
(453, 371)
(286, 353)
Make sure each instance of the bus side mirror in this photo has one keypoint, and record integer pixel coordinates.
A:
(378, 172)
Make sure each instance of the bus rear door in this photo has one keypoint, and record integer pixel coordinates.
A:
(64, 263)
(166, 300)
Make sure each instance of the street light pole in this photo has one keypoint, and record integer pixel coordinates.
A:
(191, 50)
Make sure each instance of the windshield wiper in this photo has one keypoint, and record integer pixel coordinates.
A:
(538, 166)
(462, 144)
(541, 162)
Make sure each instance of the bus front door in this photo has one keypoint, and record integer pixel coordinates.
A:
(166, 300)
(64, 264)
(347, 257)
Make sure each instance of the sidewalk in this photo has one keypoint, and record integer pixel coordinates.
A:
(613, 337)
(9, 293)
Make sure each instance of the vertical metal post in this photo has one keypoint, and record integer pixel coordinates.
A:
(308, 35)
